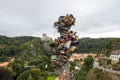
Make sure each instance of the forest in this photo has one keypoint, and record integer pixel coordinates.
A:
(32, 60)
(98, 45)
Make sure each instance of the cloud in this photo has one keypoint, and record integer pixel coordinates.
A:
(94, 18)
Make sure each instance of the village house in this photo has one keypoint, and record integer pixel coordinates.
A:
(81, 56)
(4, 64)
(115, 56)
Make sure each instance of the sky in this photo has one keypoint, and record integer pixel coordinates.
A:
(94, 18)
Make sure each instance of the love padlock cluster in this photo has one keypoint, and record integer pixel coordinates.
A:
(65, 45)
(64, 23)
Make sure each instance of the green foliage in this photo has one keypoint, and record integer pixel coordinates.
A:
(26, 75)
(81, 74)
(27, 51)
(100, 45)
(36, 72)
(116, 66)
(91, 45)
(15, 68)
(88, 64)
(51, 77)
(72, 65)
(101, 62)
(106, 62)
(97, 74)
(14, 46)
(4, 58)
(33, 74)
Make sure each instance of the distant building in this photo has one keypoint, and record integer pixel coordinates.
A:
(81, 56)
(46, 38)
(115, 56)
(46, 41)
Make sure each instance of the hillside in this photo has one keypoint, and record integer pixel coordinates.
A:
(98, 45)
(27, 52)
(12, 47)
(30, 56)
(15, 45)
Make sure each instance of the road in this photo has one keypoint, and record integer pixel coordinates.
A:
(96, 65)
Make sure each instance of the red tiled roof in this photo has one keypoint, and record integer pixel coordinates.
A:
(115, 52)
(4, 64)
(80, 56)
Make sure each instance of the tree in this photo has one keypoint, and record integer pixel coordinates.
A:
(88, 62)
(33, 74)
(72, 65)
(26, 75)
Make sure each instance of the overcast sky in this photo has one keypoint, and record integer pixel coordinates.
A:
(94, 18)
